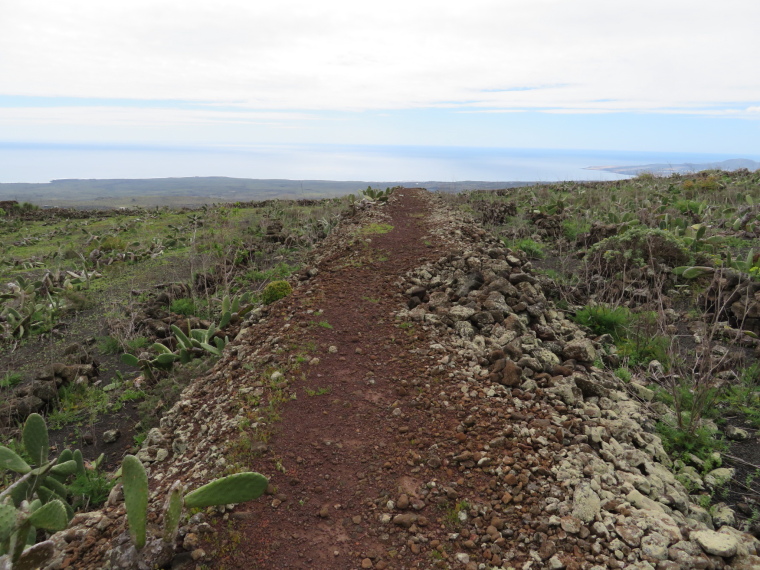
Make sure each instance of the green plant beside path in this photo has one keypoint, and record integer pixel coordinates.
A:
(38, 499)
(156, 551)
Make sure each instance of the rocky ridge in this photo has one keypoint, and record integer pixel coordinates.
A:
(613, 493)
(541, 459)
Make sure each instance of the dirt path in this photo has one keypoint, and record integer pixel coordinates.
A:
(473, 431)
(345, 442)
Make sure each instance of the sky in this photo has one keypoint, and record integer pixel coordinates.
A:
(664, 75)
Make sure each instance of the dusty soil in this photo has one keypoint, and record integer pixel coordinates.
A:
(341, 456)
(342, 450)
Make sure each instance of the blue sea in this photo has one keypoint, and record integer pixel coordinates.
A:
(35, 162)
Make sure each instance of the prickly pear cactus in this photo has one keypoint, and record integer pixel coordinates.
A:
(135, 482)
(50, 516)
(35, 437)
(80, 462)
(173, 512)
(8, 515)
(11, 461)
(232, 489)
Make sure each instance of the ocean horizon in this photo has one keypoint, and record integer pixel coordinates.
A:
(43, 162)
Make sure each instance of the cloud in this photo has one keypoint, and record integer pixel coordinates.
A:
(575, 57)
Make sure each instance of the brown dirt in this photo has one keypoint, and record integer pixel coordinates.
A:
(342, 450)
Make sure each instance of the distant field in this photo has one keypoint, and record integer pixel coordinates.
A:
(197, 191)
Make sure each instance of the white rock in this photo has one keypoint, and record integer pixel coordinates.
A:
(586, 503)
(716, 543)
(655, 545)
(719, 477)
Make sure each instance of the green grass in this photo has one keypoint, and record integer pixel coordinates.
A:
(280, 271)
(77, 405)
(137, 343)
(375, 229)
(533, 249)
(604, 319)
(11, 379)
(184, 306)
(701, 441)
(109, 345)
(130, 395)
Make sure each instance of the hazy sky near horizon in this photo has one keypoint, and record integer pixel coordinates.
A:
(665, 75)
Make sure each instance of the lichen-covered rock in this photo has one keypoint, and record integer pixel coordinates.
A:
(722, 515)
(465, 329)
(716, 543)
(719, 477)
(586, 503)
(460, 313)
(581, 349)
(655, 545)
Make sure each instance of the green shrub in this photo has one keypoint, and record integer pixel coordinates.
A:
(702, 441)
(744, 396)
(604, 319)
(109, 345)
(624, 374)
(532, 248)
(644, 342)
(11, 379)
(573, 227)
(90, 489)
(275, 290)
(184, 306)
(137, 343)
(112, 243)
(637, 247)
(641, 350)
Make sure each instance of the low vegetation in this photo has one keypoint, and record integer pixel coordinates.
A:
(663, 273)
(105, 316)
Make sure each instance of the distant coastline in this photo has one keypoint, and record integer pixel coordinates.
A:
(40, 162)
(667, 169)
(195, 191)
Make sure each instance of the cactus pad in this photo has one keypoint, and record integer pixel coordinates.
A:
(50, 516)
(56, 486)
(232, 489)
(9, 460)
(8, 515)
(130, 359)
(66, 468)
(80, 462)
(35, 438)
(135, 482)
(173, 511)
(66, 455)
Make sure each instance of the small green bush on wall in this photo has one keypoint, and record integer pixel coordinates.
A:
(275, 290)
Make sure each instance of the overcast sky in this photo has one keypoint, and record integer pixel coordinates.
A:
(600, 74)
